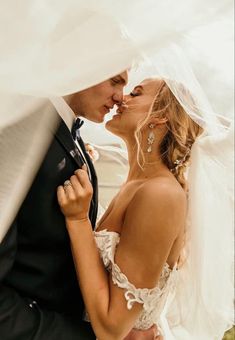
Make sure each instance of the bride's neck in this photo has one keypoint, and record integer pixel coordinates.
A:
(150, 168)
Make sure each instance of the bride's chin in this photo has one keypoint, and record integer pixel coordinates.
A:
(108, 125)
(111, 127)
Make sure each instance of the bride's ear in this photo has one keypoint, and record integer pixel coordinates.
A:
(154, 121)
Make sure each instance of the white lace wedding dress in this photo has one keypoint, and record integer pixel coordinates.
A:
(154, 299)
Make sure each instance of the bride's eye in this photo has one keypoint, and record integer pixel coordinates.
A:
(134, 94)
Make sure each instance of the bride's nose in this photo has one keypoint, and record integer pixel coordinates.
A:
(122, 106)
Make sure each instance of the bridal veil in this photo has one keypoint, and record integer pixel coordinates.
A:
(53, 48)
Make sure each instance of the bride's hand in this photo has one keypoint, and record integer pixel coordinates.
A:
(75, 196)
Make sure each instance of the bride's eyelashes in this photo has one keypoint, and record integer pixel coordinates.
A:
(134, 94)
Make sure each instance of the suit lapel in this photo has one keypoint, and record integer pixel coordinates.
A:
(63, 135)
(94, 201)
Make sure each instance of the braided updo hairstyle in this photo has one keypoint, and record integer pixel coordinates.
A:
(181, 132)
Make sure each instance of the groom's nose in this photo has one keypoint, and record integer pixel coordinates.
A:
(118, 97)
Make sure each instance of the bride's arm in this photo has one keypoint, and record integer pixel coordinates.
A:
(146, 240)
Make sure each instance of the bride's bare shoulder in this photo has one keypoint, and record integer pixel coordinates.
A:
(158, 205)
(155, 217)
(164, 189)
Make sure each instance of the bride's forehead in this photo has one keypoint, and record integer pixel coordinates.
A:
(150, 83)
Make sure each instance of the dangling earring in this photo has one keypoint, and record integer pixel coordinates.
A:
(151, 138)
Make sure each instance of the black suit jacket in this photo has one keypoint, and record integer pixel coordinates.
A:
(39, 294)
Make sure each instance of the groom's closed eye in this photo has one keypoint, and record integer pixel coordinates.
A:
(116, 80)
(119, 80)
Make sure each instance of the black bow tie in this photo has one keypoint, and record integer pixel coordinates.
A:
(75, 128)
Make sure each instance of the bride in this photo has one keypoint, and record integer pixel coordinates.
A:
(128, 266)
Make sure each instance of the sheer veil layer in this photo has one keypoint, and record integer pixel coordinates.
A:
(53, 48)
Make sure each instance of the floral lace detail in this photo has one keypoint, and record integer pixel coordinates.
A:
(145, 296)
(107, 243)
(154, 299)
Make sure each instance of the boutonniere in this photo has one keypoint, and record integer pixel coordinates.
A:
(92, 152)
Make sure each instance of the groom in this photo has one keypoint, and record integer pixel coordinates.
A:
(39, 294)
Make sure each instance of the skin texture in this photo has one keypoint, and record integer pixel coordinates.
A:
(95, 102)
(153, 197)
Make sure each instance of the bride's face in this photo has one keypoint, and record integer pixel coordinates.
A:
(135, 109)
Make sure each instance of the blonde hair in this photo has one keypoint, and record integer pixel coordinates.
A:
(181, 132)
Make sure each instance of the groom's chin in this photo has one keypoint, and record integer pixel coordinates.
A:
(97, 118)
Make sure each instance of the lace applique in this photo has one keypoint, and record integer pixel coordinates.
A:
(107, 242)
(145, 296)
(153, 300)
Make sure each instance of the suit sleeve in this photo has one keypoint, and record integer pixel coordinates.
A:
(20, 319)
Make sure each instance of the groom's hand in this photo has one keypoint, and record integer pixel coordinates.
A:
(148, 334)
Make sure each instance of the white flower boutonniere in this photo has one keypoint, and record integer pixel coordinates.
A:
(92, 152)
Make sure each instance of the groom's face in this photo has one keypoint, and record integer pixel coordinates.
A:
(95, 102)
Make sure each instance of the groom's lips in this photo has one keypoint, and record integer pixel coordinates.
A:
(105, 109)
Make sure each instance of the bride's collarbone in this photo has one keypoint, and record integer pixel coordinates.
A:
(113, 220)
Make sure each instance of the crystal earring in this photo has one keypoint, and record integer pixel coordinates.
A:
(151, 138)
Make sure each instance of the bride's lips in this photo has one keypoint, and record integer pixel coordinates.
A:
(116, 115)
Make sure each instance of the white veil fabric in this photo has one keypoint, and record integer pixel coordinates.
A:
(203, 306)
(53, 48)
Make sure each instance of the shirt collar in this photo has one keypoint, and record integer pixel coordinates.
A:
(64, 110)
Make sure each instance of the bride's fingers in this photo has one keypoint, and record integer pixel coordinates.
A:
(69, 191)
(77, 187)
(61, 196)
(83, 178)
